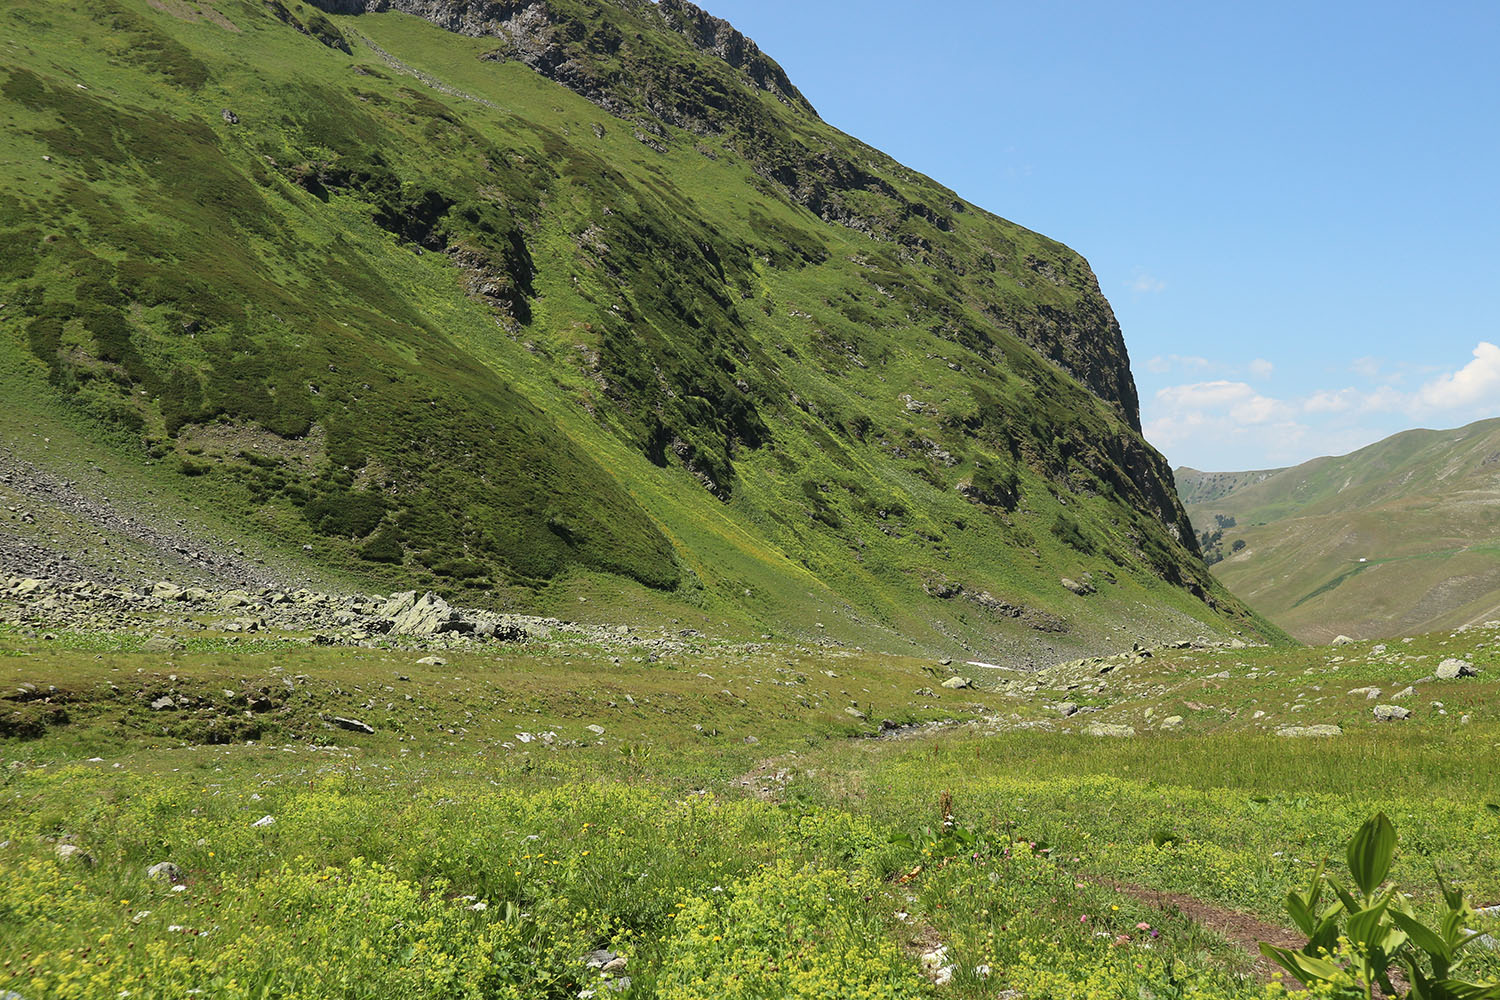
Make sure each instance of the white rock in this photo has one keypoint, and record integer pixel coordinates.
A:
(1452, 669)
(1109, 729)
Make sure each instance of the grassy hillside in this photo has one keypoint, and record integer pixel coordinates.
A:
(1396, 538)
(732, 820)
(592, 318)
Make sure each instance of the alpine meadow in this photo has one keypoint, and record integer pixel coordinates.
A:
(502, 500)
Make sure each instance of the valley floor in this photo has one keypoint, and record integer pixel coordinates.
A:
(600, 813)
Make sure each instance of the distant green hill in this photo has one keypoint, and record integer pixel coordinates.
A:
(576, 308)
(1396, 538)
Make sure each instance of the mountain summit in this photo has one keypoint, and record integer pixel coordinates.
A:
(574, 306)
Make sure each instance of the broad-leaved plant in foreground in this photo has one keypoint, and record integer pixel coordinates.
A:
(1356, 942)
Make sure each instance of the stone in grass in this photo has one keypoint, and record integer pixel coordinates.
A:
(1391, 713)
(163, 703)
(1452, 669)
(164, 870)
(1068, 708)
(1171, 722)
(75, 854)
(595, 728)
(354, 725)
(856, 713)
(1309, 731)
(1369, 693)
(605, 961)
(433, 661)
(265, 821)
(161, 644)
(958, 683)
(1341, 640)
(1110, 729)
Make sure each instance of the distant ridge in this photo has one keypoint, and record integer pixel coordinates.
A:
(1396, 538)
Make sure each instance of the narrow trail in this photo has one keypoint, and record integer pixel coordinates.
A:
(1243, 930)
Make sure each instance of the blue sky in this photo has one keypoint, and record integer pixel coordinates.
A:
(1293, 207)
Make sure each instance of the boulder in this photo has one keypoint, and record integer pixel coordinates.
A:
(1306, 731)
(856, 713)
(1171, 722)
(74, 854)
(1370, 693)
(1110, 730)
(353, 725)
(427, 615)
(161, 644)
(164, 870)
(1341, 640)
(433, 661)
(1068, 708)
(1391, 713)
(1081, 589)
(1452, 669)
(163, 703)
(958, 683)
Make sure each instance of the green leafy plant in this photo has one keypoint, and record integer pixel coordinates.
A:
(1355, 941)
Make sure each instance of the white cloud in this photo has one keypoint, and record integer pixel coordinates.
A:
(1261, 368)
(1237, 399)
(1225, 423)
(1146, 284)
(1331, 401)
(1476, 382)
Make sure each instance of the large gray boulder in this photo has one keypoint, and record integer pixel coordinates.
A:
(1452, 669)
(1391, 713)
(1110, 730)
(1307, 731)
(426, 615)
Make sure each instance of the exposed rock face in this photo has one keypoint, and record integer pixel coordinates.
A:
(532, 27)
(580, 46)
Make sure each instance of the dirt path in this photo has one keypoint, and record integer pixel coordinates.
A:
(1243, 930)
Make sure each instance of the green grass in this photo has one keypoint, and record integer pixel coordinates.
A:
(466, 343)
(809, 862)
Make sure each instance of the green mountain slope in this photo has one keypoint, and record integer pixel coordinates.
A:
(577, 308)
(1396, 538)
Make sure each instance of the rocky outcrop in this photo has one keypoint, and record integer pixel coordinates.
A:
(582, 46)
(536, 33)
